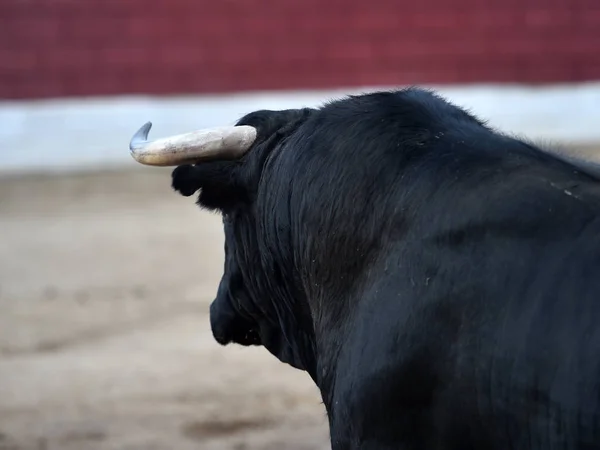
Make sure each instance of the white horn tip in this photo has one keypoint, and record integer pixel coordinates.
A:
(140, 136)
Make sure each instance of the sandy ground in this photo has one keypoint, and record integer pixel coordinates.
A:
(105, 282)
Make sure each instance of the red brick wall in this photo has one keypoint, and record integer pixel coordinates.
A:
(52, 48)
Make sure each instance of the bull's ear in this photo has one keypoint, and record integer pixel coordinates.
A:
(219, 183)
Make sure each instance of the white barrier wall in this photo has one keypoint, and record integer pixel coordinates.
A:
(94, 133)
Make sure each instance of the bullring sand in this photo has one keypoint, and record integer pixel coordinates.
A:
(105, 282)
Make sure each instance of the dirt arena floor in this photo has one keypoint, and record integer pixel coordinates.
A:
(105, 282)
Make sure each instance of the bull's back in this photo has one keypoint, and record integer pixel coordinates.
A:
(472, 258)
(490, 339)
(520, 304)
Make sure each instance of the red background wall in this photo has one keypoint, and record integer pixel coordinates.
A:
(51, 48)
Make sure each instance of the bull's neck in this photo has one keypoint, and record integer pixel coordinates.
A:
(330, 336)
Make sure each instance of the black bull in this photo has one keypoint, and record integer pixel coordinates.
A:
(438, 280)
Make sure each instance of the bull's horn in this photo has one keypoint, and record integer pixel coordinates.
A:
(212, 143)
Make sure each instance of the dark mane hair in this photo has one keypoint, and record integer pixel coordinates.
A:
(370, 240)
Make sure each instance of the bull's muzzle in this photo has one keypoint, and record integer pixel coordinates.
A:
(227, 326)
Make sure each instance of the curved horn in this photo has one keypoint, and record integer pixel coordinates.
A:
(585, 161)
(212, 143)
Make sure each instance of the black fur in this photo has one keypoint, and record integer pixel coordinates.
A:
(438, 280)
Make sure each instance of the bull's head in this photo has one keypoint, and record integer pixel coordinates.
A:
(258, 301)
